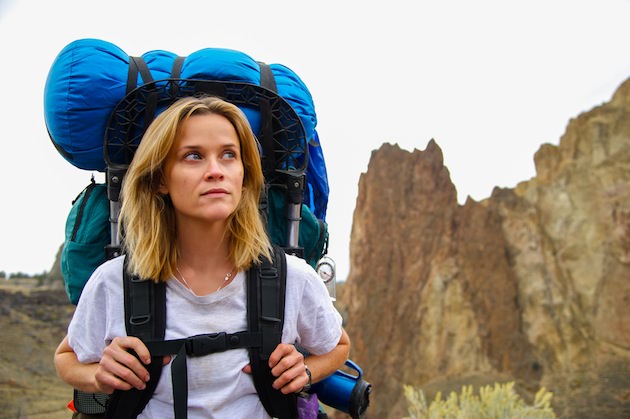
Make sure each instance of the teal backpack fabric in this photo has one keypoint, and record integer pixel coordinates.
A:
(313, 234)
(86, 237)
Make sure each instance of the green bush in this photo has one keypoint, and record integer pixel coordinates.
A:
(498, 402)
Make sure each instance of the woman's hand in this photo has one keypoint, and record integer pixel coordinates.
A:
(286, 363)
(119, 369)
(289, 366)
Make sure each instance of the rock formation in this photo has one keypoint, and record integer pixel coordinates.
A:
(530, 285)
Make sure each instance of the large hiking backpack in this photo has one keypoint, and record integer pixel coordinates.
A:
(99, 101)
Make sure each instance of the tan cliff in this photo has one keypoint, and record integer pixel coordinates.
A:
(529, 285)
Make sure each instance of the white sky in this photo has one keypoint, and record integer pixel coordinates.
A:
(489, 80)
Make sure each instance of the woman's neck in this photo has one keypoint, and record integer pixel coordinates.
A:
(203, 261)
(202, 243)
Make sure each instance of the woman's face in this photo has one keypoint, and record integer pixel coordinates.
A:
(203, 172)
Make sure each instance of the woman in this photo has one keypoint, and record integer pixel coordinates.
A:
(190, 218)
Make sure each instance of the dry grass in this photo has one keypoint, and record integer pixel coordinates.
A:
(32, 322)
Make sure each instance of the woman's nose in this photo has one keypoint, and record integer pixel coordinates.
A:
(214, 170)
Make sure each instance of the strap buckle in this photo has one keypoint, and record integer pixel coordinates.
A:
(205, 344)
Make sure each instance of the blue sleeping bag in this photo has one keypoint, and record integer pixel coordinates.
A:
(88, 79)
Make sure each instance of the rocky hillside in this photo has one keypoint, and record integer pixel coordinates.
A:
(33, 320)
(531, 284)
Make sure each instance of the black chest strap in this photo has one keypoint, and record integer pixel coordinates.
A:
(193, 346)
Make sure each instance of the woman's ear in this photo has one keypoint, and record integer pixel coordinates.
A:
(162, 188)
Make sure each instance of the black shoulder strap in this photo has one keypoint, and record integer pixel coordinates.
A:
(145, 317)
(266, 288)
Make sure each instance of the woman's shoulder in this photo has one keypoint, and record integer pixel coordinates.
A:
(106, 274)
(298, 266)
(111, 267)
(302, 277)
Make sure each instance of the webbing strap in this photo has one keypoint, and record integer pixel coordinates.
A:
(132, 74)
(176, 70)
(176, 73)
(270, 310)
(138, 65)
(205, 344)
(267, 79)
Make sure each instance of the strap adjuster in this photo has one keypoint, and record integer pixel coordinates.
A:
(268, 272)
(205, 344)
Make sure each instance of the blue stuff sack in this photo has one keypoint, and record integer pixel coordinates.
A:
(86, 237)
(88, 78)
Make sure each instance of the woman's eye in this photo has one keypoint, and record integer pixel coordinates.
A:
(229, 154)
(193, 155)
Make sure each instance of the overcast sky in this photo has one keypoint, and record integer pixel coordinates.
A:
(489, 80)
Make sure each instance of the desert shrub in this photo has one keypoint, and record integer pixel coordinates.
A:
(498, 402)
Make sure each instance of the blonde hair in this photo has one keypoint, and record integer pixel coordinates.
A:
(147, 218)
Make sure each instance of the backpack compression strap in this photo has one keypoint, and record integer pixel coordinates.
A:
(137, 65)
(265, 307)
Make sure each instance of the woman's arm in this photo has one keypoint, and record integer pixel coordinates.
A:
(118, 369)
(79, 376)
(322, 366)
(289, 365)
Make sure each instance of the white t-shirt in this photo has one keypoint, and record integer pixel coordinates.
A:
(217, 388)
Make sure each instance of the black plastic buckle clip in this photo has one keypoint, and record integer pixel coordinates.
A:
(200, 345)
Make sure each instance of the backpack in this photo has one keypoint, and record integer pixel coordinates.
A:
(97, 113)
(124, 95)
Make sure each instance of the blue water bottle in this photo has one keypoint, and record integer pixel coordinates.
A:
(346, 392)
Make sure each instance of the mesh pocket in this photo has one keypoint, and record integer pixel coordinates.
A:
(90, 403)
